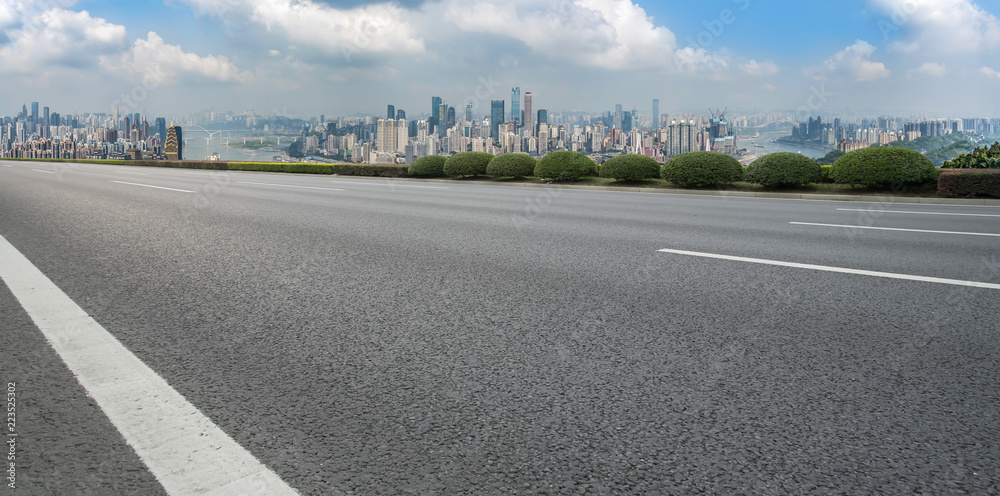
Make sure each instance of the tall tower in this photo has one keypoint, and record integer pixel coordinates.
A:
(656, 113)
(435, 112)
(496, 117)
(114, 118)
(174, 147)
(529, 119)
(515, 104)
(391, 112)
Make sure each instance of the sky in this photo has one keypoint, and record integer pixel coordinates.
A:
(345, 57)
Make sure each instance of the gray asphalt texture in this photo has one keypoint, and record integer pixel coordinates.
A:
(396, 339)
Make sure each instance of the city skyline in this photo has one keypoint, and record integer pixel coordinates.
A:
(349, 57)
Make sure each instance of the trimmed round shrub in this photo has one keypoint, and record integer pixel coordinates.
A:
(697, 169)
(783, 170)
(630, 167)
(429, 166)
(883, 167)
(512, 165)
(467, 164)
(565, 165)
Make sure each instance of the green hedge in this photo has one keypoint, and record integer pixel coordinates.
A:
(883, 167)
(467, 164)
(783, 170)
(969, 183)
(824, 176)
(697, 169)
(429, 166)
(565, 165)
(512, 165)
(630, 167)
(305, 168)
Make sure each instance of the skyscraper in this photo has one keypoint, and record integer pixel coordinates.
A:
(442, 120)
(161, 128)
(656, 113)
(529, 118)
(400, 115)
(435, 111)
(496, 117)
(45, 117)
(34, 111)
(515, 104)
(543, 116)
(114, 118)
(391, 113)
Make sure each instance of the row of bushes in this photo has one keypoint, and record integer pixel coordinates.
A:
(969, 183)
(307, 168)
(873, 167)
(560, 166)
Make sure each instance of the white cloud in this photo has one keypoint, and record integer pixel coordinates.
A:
(60, 38)
(160, 63)
(938, 26)
(692, 60)
(765, 68)
(990, 73)
(610, 34)
(932, 69)
(376, 28)
(853, 62)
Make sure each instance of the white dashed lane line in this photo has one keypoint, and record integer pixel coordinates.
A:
(841, 270)
(156, 187)
(874, 211)
(894, 229)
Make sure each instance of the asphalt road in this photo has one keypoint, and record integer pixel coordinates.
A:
(367, 336)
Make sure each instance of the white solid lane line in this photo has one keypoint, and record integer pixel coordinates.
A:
(291, 186)
(895, 229)
(182, 447)
(872, 211)
(45, 171)
(151, 186)
(890, 275)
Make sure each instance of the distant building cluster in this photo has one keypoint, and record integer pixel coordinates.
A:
(510, 126)
(884, 130)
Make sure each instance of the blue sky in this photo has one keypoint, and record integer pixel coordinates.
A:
(307, 57)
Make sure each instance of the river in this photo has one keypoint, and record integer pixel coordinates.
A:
(197, 147)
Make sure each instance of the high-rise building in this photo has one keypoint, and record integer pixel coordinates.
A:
(543, 116)
(400, 115)
(496, 118)
(114, 118)
(391, 112)
(34, 112)
(174, 147)
(515, 104)
(385, 135)
(529, 117)
(442, 120)
(656, 113)
(161, 128)
(435, 109)
(45, 117)
(468, 112)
